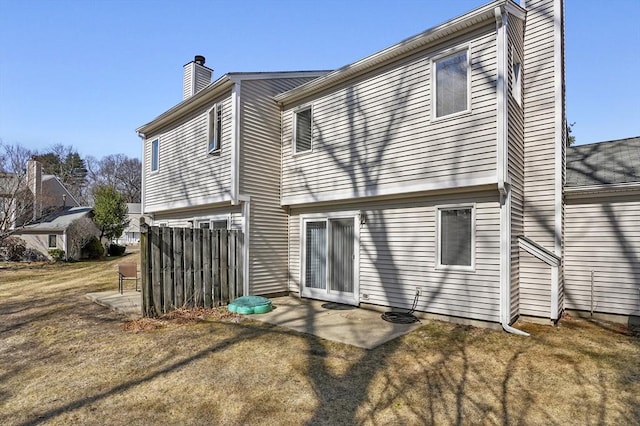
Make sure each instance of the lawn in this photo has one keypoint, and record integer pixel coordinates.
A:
(64, 360)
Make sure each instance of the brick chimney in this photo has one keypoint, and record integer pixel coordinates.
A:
(34, 183)
(196, 77)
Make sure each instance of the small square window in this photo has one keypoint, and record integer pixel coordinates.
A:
(53, 243)
(155, 155)
(302, 130)
(203, 224)
(219, 224)
(451, 84)
(214, 135)
(456, 237)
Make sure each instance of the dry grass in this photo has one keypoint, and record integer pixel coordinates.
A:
(64, 360)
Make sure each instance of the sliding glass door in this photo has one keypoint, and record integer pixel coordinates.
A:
(329, 259)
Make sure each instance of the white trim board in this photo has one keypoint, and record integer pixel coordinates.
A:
(397, 191)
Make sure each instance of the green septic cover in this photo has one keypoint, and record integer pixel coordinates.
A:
(250, 305)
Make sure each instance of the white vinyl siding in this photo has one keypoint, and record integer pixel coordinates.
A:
(451, 84)
(260, 165)
(603, 236)
(377, 134)
(540, 125)
(186, 176)
(397, 248)
(515, 163)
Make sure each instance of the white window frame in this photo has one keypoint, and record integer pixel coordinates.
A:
(155, 154)
(213, 128)
(295, 129)
(516, 77)
(434, 89)
(210, 219)
(324, 294)
(55, 241)
(438, 210)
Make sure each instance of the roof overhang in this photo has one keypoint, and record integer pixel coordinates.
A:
(406, 47)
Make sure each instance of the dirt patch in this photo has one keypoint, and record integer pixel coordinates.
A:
(182, 316)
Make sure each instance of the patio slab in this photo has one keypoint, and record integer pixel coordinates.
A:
(340, 323)
(359, 327)
(128, 303)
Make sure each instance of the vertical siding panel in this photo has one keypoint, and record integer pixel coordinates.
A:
(540, 125)
(516, 159)
(260, 165)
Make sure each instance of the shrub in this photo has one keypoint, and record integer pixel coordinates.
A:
(13, 248)
(31, 255)
(116, 250)
(93, 249)
(56, 254)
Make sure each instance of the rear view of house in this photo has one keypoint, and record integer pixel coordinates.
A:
(433, 169)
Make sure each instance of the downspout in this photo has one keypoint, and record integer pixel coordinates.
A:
(66, 246)
(502, 168)
(235, 142)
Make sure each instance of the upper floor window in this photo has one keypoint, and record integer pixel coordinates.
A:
(456, 238)
(155, 148)
(451, 84)
(302, 134)
(214, 134)
(516, 81)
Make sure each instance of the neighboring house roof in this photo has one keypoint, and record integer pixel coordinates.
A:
(604, 163)
(214, 89)
(57, 221)
(134, 208)
(406, 47)
(62, 189)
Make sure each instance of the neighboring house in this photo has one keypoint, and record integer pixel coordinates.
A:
(131, 234)
(66, 229)
(213, 161)
(28, 197)
(40, 210)
(433, 167)
(602, 239)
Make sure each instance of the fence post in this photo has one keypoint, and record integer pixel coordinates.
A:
(145, 271)
(156, 271)
(167, 269)
(198, 296)
(178, 266)
(188, 267)
(224, 267)
(233, 273)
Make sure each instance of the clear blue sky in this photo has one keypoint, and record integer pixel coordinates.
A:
(88, 73)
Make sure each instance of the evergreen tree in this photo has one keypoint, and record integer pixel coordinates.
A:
(110, 211)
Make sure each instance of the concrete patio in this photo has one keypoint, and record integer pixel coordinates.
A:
(339, 323)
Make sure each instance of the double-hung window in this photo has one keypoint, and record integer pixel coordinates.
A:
(302, 130)
(456, 237)
(53, 241)
(155, 155)
(214, 133)
(451, 83)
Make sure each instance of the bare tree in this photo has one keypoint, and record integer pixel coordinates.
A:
(118, 171)
(80, 232)
(16, 201)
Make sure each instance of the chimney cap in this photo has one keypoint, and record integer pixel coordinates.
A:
(199, 59)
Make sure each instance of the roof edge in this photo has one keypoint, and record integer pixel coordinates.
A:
(384, 56)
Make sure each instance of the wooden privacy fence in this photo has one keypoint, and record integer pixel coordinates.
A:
(184, 267)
